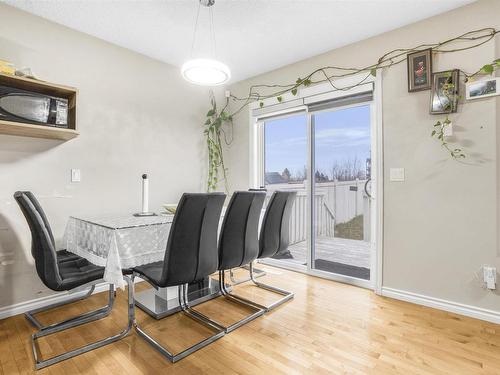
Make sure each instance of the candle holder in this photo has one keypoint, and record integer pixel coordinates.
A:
(140, 214)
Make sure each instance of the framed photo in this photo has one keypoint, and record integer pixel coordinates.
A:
(419, 70)
(482, 89)
(444, 92)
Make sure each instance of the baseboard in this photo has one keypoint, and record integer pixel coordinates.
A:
(441, 304)
(22, 307)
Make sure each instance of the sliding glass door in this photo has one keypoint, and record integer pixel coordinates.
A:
(285, 168)
(324, 153)
(341, 185)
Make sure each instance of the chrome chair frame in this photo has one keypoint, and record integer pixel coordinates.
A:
(226, 292)
(30, 315)
(258, 309)
(79, 320)
(257, 272)
(195, 315)
(286, 294)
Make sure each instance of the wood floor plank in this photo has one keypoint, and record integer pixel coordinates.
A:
(328, 328)
(7, 360)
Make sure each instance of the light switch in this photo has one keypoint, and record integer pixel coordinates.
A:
(76, 175)
(397, 174)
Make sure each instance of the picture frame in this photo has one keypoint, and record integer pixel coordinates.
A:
(444, 92)
(482, 89)
(419, 65)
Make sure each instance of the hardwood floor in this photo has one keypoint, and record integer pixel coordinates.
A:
(328, 328)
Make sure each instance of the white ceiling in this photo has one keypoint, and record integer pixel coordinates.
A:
(253, 36)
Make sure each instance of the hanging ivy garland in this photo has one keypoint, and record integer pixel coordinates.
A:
(215, 121)
(214, 134)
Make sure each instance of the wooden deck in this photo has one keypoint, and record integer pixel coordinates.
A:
(339, 250)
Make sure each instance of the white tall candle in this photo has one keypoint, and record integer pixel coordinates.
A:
(145, 194)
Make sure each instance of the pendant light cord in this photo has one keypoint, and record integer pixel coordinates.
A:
(212, 30)
(195, 29)
(214, 45)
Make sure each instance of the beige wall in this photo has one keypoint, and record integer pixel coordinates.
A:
(440, 224)
(135, 115)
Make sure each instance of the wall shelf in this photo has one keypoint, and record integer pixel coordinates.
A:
(36, 130)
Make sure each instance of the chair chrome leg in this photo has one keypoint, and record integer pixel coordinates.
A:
(198, 317)
(81, 319)
(234, 297)
(287, 295)
(257, 273)
(41, 363)
(30, 315)
(188, 310)
(258, 311)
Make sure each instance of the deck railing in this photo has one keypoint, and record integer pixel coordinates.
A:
(334, 201)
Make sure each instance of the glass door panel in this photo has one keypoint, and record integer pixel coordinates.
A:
(285, 168)
(341, 205)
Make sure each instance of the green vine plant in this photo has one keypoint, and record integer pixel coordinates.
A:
(451, 93)
(214, 134)
(260, 92)
(439, 133)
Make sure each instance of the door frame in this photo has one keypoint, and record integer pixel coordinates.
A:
(318, 93)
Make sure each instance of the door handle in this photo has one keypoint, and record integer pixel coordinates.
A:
(366, 188)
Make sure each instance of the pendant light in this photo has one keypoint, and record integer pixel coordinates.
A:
(205, 71)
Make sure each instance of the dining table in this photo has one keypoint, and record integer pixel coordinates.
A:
(121, 242)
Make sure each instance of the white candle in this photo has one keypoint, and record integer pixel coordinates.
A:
(145, 194)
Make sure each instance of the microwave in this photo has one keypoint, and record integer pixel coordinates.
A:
(23, 106)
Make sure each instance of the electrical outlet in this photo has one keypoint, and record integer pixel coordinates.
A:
(490, 277)
(76, 175)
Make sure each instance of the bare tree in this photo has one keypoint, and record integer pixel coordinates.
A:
(320, 176)
(299, 175)
(286, 174)
(347, 170)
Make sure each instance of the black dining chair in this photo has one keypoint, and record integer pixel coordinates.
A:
(274, 238)
(63, 272)
(191, 256)
(239, 244)
(61, 255)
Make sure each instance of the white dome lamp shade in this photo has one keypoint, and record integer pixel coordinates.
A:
(205, 72)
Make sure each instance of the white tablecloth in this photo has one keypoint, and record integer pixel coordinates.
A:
(118, 242)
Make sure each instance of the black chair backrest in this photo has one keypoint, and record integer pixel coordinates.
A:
(239, 238)
(274, 233)
(42, 241)
(192, 253)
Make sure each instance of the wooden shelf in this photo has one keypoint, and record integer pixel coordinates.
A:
(42, 87)
(36, 131)
(45, 88)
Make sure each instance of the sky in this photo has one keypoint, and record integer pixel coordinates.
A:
(339, 135)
